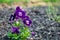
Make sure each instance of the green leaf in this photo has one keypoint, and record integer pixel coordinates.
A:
(58, 19)
(25, 32)
(15, 36)
(17, 23)
(10, 35)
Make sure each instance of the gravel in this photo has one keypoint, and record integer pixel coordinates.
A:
(45, 28)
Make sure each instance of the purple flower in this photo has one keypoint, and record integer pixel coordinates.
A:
(20, 13)
(27, 22)
(15, 30)
(33, 33)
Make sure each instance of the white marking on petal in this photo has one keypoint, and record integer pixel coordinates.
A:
(17, 22)
(20, 14)
(27, 22)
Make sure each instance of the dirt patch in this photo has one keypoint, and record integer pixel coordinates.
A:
(31, 3)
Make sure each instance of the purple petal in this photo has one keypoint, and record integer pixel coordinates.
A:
(16, 18)
(15, 30)
(11, 18)
(26, 17)
(18, 9)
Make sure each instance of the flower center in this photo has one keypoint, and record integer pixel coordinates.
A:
(17, 22)
(20, 14)
(27, 22)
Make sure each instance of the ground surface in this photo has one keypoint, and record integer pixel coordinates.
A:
(45, 28)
